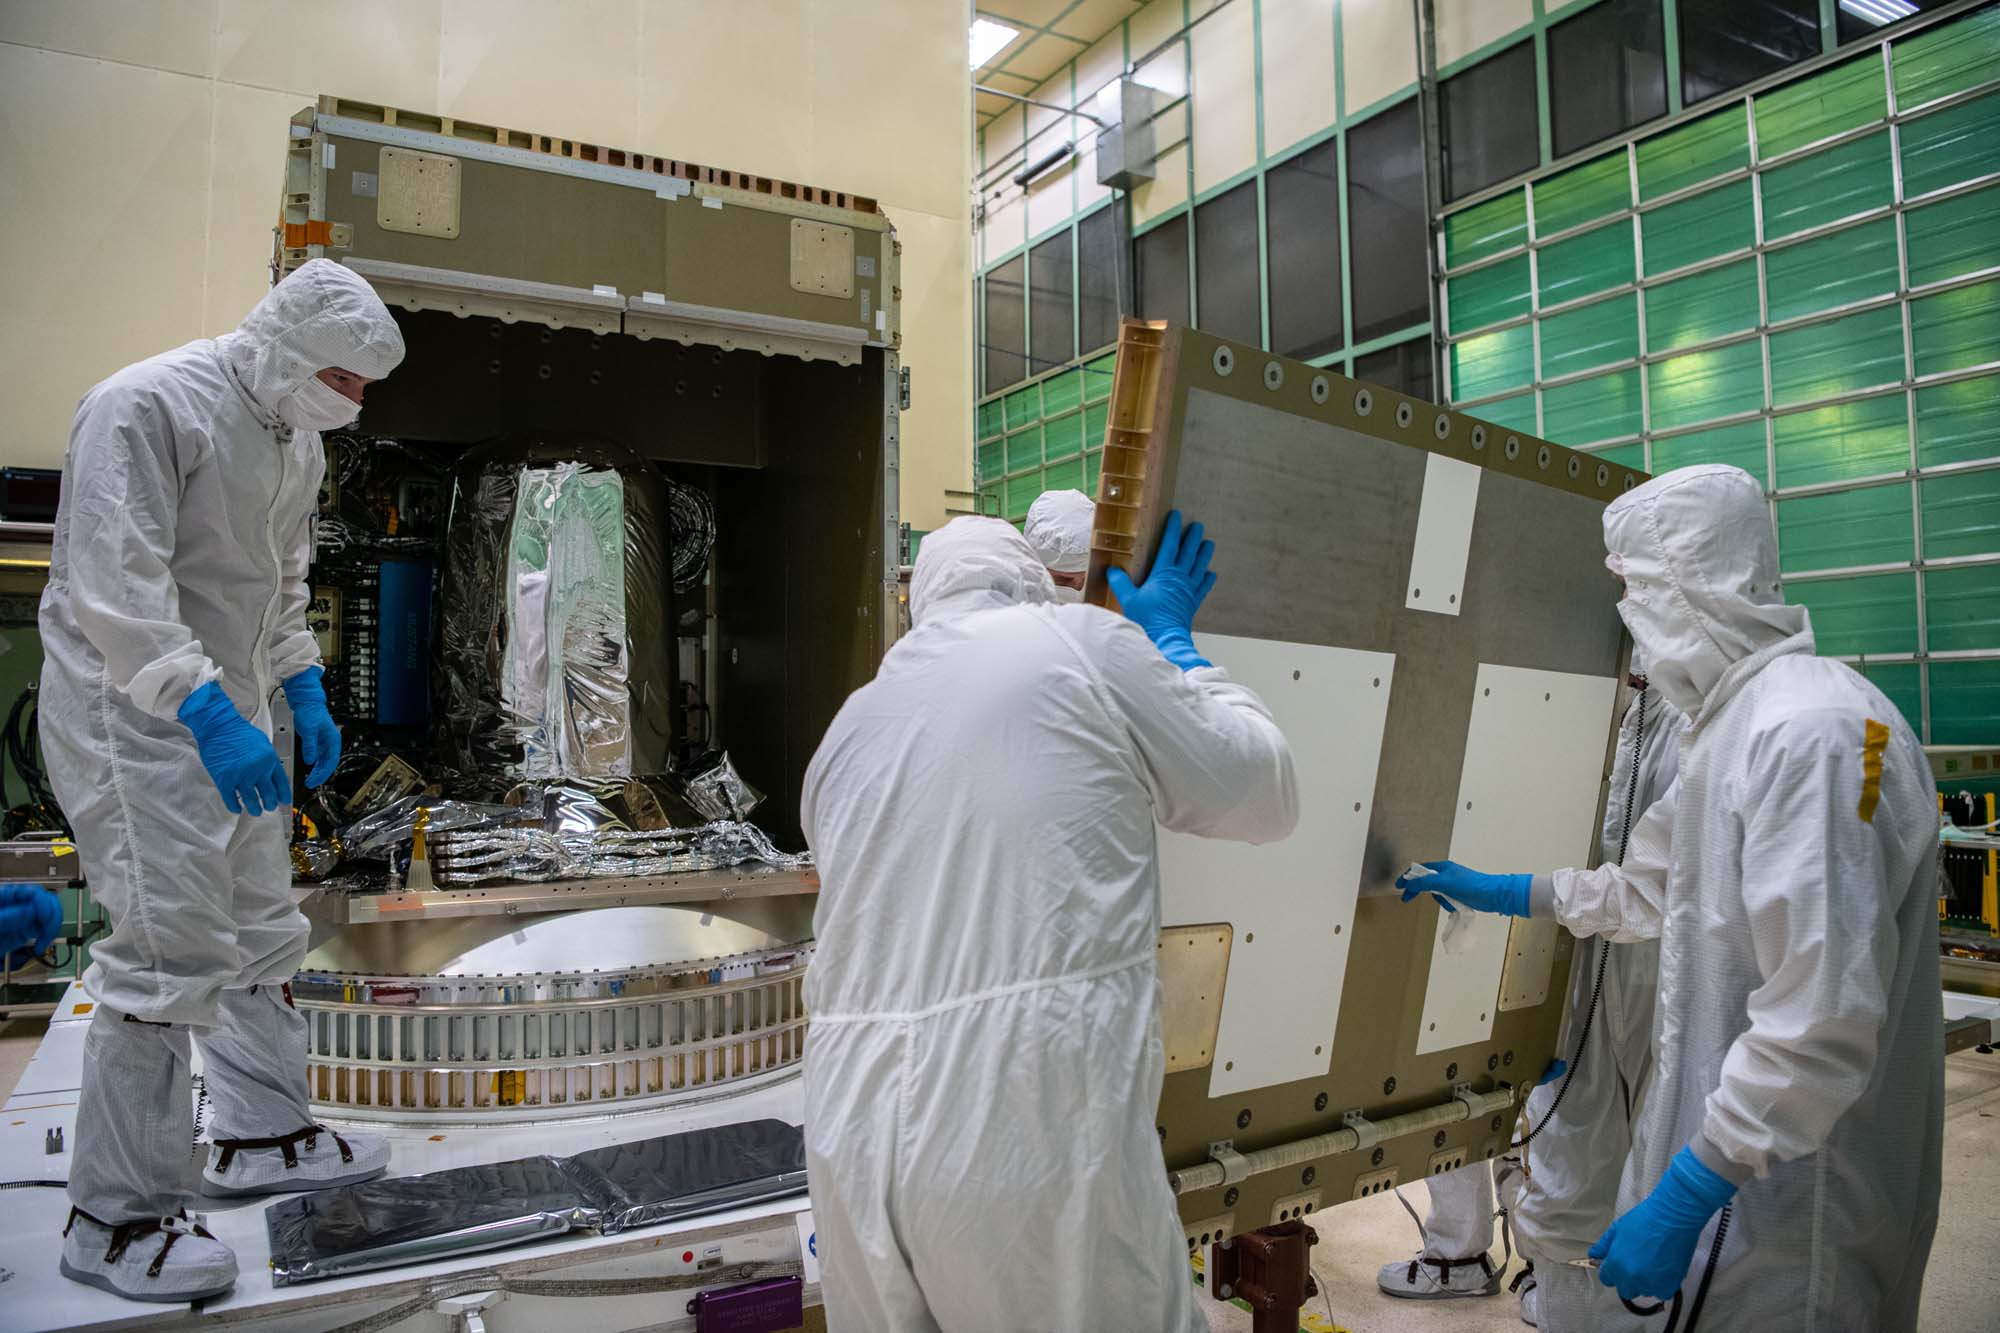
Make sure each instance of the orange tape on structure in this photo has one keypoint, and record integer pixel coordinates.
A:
(308, 233)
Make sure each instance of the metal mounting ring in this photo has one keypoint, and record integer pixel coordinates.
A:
(1224, 361)
(1364, 402)
(1274, 375)
(1603, 474)
(1513, 447)
(1479, 437)
(1542, 457)
(1320, 388)
(1575, 467)
(1405, 414)
(1442, 426)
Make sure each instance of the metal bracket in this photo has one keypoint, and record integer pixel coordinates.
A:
(1366, 1133)
(464, 1311)
(1235, 1166)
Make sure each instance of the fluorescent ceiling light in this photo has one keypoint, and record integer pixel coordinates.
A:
(989, 39)
(1879, 12)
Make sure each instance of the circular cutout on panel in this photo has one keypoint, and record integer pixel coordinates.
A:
(1442, 426)
(1364, 402)
(1630, 481)
(1542, 457)
(1513, 447)
(1320, 388)
(1575, 467)
(1274, 375)
(1603, 474)
(1405, 414)
(1224, 361)
(1479, 437)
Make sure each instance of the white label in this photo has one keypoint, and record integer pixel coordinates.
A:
(326, 156)
(808, 1245)
(1444, 536)
(710, 201)
(603, 289)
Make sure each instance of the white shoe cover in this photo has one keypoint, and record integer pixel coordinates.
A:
(315, 1158)
(172, 1259)
(1531, 1304)
(1426, 1279)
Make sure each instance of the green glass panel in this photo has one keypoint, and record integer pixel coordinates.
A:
(1587, 263)
(1062, 392)
(1965, 703)
(1062, 437)
(1067, 476)
(1707, 225)
(1488, 295)
(1842, 98)
(1024, 449)
(1868, 526)
(1903, 683)
(1594, 335)
(1516, 413)
(1583, 194)
(1093, 465)
(1095, 417)
(1958, 422)
(1956, 329)
(1702, 306)
(1846, 179)
(1853, 352)
(1097, 378)
(1740, 445)
(1023, 406)
(989, 502)
(1958, 235)
(1952, 145)
(1625, 455)
(1693, 153)
(992, 460)
(1962, 516)
(1705, 385)
(1876, 613)
(1947, 59)
(1496, 225)
(992, 419)
(1492, 362)
(1603, 407)
(1835, 270)
(1021, 493)
(1860, 439)
(1962, 608)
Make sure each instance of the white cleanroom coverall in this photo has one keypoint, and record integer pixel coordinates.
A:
(1058, 527)
(179, 558)
(1791, 880)
(1576, 1158)
(985, 1057)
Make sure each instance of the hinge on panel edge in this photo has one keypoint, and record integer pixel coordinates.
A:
(903, 388)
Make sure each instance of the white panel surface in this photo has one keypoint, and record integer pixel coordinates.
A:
(1444, 536)
(1527, 801)
(1291, 902)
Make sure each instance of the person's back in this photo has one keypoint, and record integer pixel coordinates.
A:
(984, 1060)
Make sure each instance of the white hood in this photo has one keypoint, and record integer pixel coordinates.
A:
(1058, 527)
(1700, 565)
(321, 316)
(975, 564)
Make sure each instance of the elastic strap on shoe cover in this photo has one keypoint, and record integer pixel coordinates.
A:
(286, 1144)
(124, 1233)
(1444, 1267)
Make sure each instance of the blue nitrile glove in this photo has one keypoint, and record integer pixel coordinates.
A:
(1647, 1251)
(1556, 1069)
(30, 919)
(238, 756)
(1457, 886)
(319, 739)
(1165, 606)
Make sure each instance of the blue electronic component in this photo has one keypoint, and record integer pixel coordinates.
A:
(402, 664)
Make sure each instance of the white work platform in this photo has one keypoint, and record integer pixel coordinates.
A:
(34, 1297)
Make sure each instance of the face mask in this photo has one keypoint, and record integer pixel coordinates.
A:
(1067, 596)
(1652, 641)
(314, 406)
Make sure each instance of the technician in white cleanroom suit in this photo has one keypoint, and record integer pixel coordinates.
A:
(1791, 879)
(175, 611)
(985, 1057)
(1058, 527)
(1578, 1151)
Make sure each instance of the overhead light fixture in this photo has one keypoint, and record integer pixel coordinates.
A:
(1879, 12)
(989, 39)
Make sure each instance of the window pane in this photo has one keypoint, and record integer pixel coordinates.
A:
(1853, 352)
(1607, 72)
(1702, 306)
(1051, 285)
(1588, 262)
(1583, 194)
(1386, 223)
(1954, 237)
(1062, 392)
(1740, 445)
(1829, 271)
(1163, 271)
(1700, 151)
(1492, 363)
(1949, 58)
(1838, 443)
(1489, 295)
(1225, 250)
(1728, 43)
(1876, 613)
(1860, 18)
(1006, 325)
(1965, 702)
(1098, 263)
(1809, 110)
(1489, 121)
(1963, 609)
(1962, 514)
(1957, 329)
(1958, 422)
(1406, 368)
(1602, 407)
(1945, 147)
(1302, 211)
(1688, 231)
(1487, 229)
(1825, 187)
(1592, 335)
(1707, 385)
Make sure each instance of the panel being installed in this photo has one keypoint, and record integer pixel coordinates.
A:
(1444, 535)
(1527, 801)
(1291, 903)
